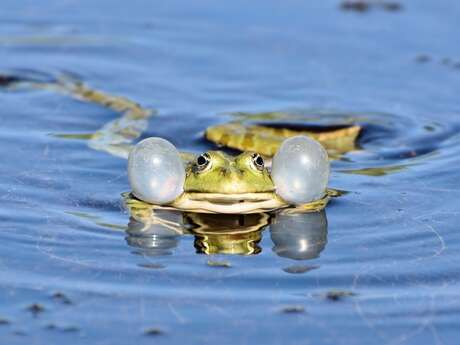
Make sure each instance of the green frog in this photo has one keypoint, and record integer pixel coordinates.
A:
(213, 182)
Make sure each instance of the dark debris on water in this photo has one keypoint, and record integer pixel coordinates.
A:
(36, 309)
(62, 298)
(71, 329)
(422, 58)
(445, 61)
(65, 329)
(293, 309)
(153, 331)
(4, 321)
(51, 326)
(338, 295)
(364, 6)
(6, 80)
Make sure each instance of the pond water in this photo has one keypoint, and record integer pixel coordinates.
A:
(379, 265)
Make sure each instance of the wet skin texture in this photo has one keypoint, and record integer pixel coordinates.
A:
(221, 173)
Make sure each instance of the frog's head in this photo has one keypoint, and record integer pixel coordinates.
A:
(216, 172)
(217, 183)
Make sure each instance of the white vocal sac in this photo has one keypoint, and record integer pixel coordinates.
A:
(155, 171)
(300, 170)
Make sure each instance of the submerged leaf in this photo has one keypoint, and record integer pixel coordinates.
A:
(266, 140)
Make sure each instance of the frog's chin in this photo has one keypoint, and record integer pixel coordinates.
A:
(241, 203)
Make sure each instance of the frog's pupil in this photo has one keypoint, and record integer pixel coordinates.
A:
(258, 161)
(201, 160)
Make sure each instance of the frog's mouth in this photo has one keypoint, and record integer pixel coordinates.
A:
(229, 203)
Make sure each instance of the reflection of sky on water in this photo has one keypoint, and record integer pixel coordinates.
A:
(299, 236)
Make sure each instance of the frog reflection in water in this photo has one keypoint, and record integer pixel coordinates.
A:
(156, 232)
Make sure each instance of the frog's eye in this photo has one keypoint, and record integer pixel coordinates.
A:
(300, 170)
(202, 162)
(258, 161)
(155, 171)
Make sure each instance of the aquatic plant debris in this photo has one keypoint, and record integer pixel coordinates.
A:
(61, 297)
(445, 61)
(366, 5)
(5, 80)
(215, 263)
(64, 329)
(153, 331)
(245, 136)
(36, 309)
(152, 266)
(380, 171)
(4, 321)
(337, 295)
(422, 58)
(71, 329)
(293, 309)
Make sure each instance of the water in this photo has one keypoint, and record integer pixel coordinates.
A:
(390, 245)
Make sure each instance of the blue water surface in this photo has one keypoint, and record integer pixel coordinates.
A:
(71, 273)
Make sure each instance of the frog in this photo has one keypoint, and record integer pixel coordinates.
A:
(222, 183)
(214, 181)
